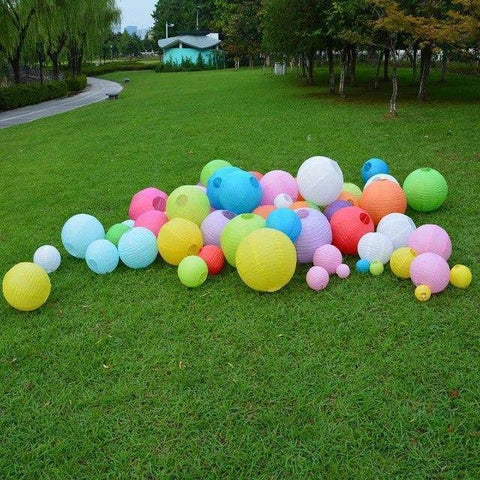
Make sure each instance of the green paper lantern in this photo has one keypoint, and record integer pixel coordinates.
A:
(426, 189)
(192, 271)
(188, 202)
(115, 232)
(210, 168)
(353, 189)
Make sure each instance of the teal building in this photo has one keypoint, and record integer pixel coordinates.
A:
(177, 49)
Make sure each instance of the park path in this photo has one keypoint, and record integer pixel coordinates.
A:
(96, 91)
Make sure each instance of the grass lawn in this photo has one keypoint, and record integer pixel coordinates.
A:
(133, 376)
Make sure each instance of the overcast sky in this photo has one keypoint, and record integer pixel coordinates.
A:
(137, 12)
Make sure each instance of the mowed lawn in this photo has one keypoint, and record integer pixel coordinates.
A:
(133, 376)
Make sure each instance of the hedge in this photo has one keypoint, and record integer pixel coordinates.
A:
(92, 70)
(29, 94)
(76, 84)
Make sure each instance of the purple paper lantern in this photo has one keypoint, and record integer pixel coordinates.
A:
(334, 207)
(213, 225)
(431, 238)
(315, 232)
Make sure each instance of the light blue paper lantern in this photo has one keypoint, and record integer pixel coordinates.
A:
(138, 248)
(285, 220)
(79, 232)
(240, 192)
(102, 257)
(214, 183)
(372, 167)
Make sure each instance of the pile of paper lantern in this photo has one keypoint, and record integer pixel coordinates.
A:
(263, 226)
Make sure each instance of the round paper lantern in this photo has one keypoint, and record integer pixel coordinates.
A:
(213, 226)
(373, 167)
(349, 225)
(266, 260)
(150, 198)
(334, 207)
(431, 238)
(329, 257)
(316, 231)
(397, 227)
(102, 256)
(320, 180)
(283, 200)
(350, 198)
(137, 248)
(178, 239)
(210, 168)
(375, 246)
(256, 174)
(317, 278)
(264, 210)
(432, 270)
(362, 266)
(188, 202)
(460, 276)
(154, 220)
(343, 271)
(426, 189)
(276, 182)
(213, 257)
(116, 231)
(353, 189)
(192, 271)
(299, 204)
(381, 176)
(285, 220)
(423, 293)
(240, 192)
(376, 268)
(26, 286)
(214, 183)
(235, 231)
(79, 232)
(130, 223)
(47, 257)
(381, 198)
(401, 260)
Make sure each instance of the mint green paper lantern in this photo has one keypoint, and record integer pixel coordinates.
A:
(192, 271)
(188, 202)
(210, 168)
(115, 232)
(426, 189)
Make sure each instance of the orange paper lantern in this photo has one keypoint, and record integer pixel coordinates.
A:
(349, 197)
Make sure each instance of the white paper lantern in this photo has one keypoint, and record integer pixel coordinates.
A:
(375, 246)
(48, 258)
(284, 200)
(320, 180)
(381, 176)
(397, 227)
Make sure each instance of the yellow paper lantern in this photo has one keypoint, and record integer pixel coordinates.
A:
(460, 276)
(401, 260)
(266, 260)
(178, 239)
(26, 286)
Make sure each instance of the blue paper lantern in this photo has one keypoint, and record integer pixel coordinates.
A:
(138, 248)
(214, 183)
(285, 220)
(362, 266)
(240, 192)
(79, 232)
(102, 256)
(372, 167)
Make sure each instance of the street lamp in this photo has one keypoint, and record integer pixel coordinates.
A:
(166, 28)
(198, 10)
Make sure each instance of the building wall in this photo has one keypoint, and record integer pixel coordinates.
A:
(175, 55)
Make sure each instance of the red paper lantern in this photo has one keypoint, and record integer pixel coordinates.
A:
(213, 257)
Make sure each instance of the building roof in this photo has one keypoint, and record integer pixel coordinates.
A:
(194, 41)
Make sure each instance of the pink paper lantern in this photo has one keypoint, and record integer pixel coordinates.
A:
(153, 220)
(276, 182)
(317, 278)
(431, 238)
(316, 231)
(343, 271)
(329, 257)
(432, 270)
(213, 225)
(150, 198)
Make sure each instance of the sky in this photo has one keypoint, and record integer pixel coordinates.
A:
(137, 12)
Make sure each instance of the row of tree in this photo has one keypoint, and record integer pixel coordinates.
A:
(303, 28)
(127, 45)
(48, 29)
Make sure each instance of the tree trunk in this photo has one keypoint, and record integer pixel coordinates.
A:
(331, 68)
(343, 60)
(15, 64)
(425, 73)
(393, 98)
(352, 65)
(55, 67)
(385, 65)
(250, 61)
(302, 62)
(379, 65)
(310, 66)
(414, 63)
(444, 65)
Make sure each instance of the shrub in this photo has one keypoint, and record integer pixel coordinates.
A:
(92, 70)
(76, 84)
(187, 65)
(29, 94)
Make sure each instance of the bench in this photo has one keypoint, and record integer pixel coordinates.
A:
(112, 96)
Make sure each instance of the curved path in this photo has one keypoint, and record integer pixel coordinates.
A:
(96, 91)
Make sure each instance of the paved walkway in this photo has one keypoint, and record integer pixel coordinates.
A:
(95, 92)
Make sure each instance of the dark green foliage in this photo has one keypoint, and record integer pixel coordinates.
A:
(29, 94)
(92, 70)
(76, 84)
(200, 62)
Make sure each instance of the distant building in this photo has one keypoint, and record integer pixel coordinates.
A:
(189, 46)
(142, 33)
(131, 29)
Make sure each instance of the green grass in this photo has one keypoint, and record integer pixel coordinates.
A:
(133, 376)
